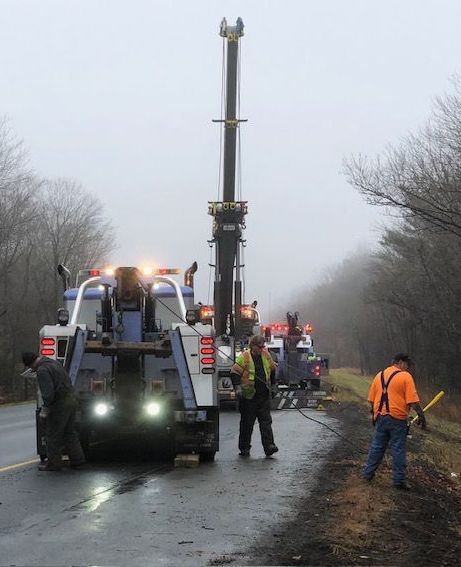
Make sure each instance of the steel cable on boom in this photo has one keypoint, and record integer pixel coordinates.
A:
(221, 141)
(221, 144)
(239, 165)
(272, 390)
(239, 154)
(210, 275)
(243, 270)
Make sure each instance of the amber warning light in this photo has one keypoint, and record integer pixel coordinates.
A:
(206, 312)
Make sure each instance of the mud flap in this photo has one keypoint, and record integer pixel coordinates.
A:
(200, 437)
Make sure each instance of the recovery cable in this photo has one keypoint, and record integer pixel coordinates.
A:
(272, 390)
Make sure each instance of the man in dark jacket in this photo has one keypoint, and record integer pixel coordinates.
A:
(59, 408)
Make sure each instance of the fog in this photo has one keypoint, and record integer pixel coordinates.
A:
(120, 95)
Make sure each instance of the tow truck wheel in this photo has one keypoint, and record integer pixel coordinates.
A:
(207, 457)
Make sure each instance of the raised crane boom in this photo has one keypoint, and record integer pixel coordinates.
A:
(228, 214)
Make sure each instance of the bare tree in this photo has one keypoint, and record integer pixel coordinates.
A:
(420, 178)
(416, 273)
(42, 223)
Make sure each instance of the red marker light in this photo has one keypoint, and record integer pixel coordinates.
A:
(207, 340)
(48, 342)
(207, 350)
(47, 352)
(208, 361)
(94, 273)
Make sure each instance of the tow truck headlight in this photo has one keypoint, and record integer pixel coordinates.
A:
(101, 409)
(153, 408)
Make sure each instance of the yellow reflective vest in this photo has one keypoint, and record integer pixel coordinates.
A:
(245, 367)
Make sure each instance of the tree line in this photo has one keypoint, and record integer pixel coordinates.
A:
(43, 222)
(405, 295)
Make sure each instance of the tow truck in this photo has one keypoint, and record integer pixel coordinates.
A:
(139, 359)
(299, 368)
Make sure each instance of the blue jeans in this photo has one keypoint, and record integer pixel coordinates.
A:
(392, 432)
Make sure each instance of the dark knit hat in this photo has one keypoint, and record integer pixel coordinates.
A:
(29, 358)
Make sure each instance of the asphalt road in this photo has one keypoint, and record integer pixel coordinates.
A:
(17, 434)
(126, 510)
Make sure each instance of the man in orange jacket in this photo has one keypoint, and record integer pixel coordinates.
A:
(392, 394)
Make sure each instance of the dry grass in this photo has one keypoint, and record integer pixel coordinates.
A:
(349, 385)
(448, 407)
(362, 510)
(359, 508)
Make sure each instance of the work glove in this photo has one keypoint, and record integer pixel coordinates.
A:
(238, 390)
(422, 421)
(44, 412)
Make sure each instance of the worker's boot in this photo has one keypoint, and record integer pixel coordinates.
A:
(270, 450)
(49, 466)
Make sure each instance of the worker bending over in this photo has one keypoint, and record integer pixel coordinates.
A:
(59, 408)
(392, 394)
(254, 375)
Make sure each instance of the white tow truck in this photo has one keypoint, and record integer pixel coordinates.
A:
(139, 359)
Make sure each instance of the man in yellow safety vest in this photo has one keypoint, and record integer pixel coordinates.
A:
(254, 373)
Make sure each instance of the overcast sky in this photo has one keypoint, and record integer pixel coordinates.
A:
(120, 95)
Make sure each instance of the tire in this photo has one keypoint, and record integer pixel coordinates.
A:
(207, 457)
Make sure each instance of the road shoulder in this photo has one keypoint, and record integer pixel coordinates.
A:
(347, 522)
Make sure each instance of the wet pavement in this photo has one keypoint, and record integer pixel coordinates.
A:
(139, 512)
(17, 434)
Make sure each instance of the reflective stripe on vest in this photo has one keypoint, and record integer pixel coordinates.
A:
(249, 372)
(384, 395)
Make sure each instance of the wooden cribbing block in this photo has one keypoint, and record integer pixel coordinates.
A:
(187, 460)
